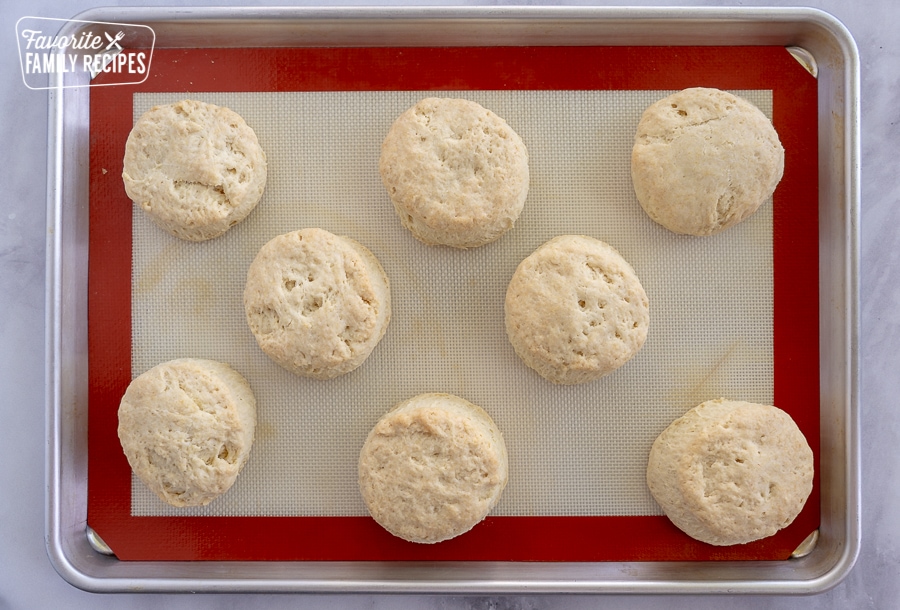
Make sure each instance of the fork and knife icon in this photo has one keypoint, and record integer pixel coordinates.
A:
(114, 42)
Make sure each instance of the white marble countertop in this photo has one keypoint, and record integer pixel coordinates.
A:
(27, 579)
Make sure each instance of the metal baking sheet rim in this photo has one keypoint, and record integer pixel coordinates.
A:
(823, 37)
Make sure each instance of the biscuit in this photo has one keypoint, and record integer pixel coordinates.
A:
(730, 472)
(195, 168)
(432, 468)
(575, 310)
(318, 304)
(704, 160)
(186, 427)
(456, 173)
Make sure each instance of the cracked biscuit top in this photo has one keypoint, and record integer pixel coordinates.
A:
(187, 427)
(704, 160)
(197, 169)
(317, 303)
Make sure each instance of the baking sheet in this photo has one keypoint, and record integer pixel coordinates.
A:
(718, 324)
(79, 399)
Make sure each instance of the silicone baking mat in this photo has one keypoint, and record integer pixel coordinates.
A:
(731, 315)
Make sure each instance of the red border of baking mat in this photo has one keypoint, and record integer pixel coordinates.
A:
(650, 538)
